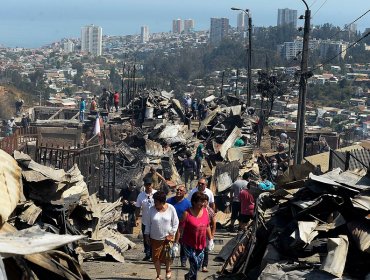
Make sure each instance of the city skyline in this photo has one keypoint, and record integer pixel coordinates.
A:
(34, 24)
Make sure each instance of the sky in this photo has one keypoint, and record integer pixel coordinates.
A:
(34, 23)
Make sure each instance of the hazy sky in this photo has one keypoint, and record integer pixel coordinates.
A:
(33, 23)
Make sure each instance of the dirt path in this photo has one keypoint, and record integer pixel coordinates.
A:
(134, 268)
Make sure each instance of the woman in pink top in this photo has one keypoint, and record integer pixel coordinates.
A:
(194, 229)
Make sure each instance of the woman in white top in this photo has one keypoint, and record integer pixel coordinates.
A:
(161, 228)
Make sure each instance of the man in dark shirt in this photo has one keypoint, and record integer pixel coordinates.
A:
(128, 197)
(189, 167)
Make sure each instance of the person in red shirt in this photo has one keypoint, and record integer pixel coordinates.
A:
(195, 229)
(116, 100)
(246, 207)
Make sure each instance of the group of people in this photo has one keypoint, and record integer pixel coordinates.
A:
(194, 109)
(109, 102)
(181, 225)
(192, 167)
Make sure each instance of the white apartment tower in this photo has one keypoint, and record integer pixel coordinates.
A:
(144, 34)
(287, 17)
(91, 39)
(177, 26)
(241, 22)
(219, 30)
(68, 46)
(188, 25)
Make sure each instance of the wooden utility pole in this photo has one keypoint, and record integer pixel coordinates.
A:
(301, 117)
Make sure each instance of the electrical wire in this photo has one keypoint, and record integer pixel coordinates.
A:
(352, 22)
(338, 54)
(320, 8)
(314, 2)
(358, 18)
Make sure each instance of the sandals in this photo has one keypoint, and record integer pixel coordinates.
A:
(204, 269)
(159, 278)
(168, 274)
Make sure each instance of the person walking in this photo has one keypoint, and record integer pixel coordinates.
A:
(160, 231)
(93, 105)
(235, 190)
(212, 224)
(116, 100)
(10, 127)
(202, 187)
(181, 204)
(189, 168)
(25, 121)
(195, 229)
(144, 202)
(82, 109)
(246, 207)
(199, 155)
(128, 197)
(155, 176)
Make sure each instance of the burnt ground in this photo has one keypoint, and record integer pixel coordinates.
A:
(135, 268)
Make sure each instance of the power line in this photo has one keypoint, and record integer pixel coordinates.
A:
(320, 8)
(314, 2)
(338, 54)
(352, 22)
(358, 18)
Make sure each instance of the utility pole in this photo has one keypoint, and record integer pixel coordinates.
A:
(237, 81)
(122, 85)
(249, 54)
(301, 117)
(249, 96)
(222, 83)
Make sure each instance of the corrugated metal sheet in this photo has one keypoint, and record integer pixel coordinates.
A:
(153, 148)
(10, 185)
(235, 134)
(209, 118)
(350, 160)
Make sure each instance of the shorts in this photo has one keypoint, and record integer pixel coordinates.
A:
(244, 218)
(235, 210)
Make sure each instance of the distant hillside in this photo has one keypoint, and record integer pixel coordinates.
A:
(8, 95)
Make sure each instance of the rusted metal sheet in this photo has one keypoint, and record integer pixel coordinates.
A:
(10, 185)
(31, 213)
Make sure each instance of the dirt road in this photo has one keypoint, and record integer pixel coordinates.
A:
(135, 268)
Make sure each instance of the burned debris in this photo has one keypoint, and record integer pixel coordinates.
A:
(316, 228)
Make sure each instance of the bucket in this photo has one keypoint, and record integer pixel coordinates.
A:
(149, 112)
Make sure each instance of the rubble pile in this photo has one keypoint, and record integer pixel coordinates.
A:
(317, 228)
(44, 209)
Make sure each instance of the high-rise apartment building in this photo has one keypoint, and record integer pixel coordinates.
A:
(287, 17)
(91, 39)
(219, 30)
(188, 25)
(242, 22)
(333, 49)
(290, 50)
(144, 34)
(177, 26)
(68, 46)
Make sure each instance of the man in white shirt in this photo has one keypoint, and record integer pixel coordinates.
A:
(202, 187)
(144, 202)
